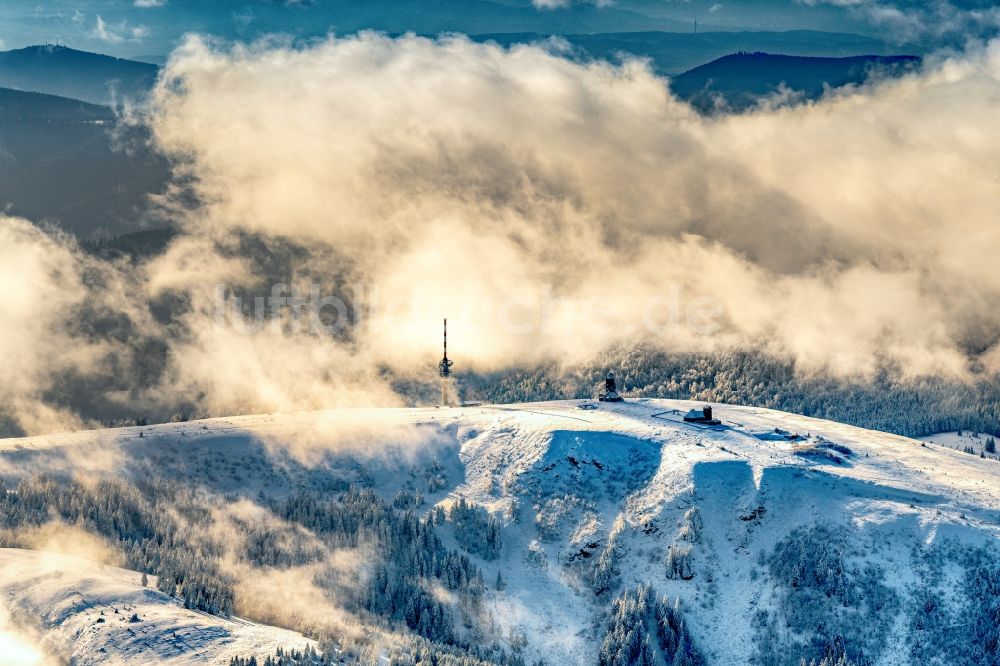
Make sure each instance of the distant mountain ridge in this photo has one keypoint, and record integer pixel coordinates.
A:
(22, 105)
(66, 72)
(101, 79)
(673, 53)
(739, 81)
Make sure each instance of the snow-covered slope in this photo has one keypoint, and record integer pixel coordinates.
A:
(95, 614)
(574, 482)
(967, 441)
(640, 464)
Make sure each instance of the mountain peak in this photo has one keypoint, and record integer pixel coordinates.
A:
(60, 70)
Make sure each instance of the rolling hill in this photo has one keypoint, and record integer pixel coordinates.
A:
(66, 72)
(766, 539)
(739, 81)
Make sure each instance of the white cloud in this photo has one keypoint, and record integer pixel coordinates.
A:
(931, 20)
(116, 33)
(548, 208)
(149, 3)
(103, 33)
(44, 286)
(564, 4)
(462, 176)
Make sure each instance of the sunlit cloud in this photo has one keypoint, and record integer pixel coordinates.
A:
(550, 209)
(528, 173)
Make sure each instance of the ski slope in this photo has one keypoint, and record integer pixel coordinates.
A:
(567, 478)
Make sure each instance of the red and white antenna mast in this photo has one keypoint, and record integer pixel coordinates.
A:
(444, 369)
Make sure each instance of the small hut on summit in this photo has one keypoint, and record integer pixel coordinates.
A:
(702, 416)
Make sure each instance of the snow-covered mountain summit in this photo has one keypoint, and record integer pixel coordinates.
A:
(766, 539)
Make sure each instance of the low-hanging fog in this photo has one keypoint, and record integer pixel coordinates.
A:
(550, 209)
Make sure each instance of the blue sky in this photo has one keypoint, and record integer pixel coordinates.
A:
(153, 27)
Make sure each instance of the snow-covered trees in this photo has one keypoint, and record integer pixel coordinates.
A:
(435, 476)
(826, 600)
(678, 562)
(834, 655)
(691, 526)
(199, 585)
(308, 656)
(411, 552)
(476, 530)
(955, 624)
(403, 650)
(982, 589)
(606, 572)
(392, 593)
(678, 556)
(675, 640)
(629, 640)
